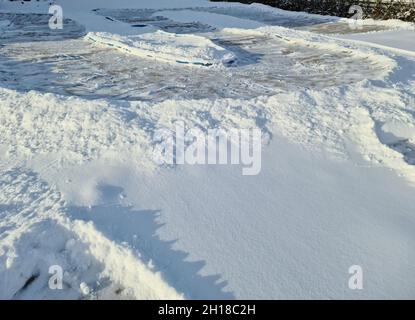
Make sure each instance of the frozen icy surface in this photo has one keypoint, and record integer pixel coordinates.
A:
(264, 65)
(75, 67)
(20, 27)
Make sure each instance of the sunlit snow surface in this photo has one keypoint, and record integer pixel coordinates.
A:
(79, 188)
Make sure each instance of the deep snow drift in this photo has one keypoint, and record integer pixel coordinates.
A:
(79, 186)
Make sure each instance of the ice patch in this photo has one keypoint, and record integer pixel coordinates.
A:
(266, 62)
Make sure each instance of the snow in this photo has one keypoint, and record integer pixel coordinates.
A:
(42, 235)
(401, 40)
(80, 188)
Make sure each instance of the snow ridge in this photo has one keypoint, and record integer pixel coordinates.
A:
(167, 47)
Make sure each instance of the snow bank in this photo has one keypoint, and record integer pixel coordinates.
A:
(94, 266)
(105, 130)
(166, 47)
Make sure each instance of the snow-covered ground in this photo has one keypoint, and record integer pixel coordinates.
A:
(79, 186)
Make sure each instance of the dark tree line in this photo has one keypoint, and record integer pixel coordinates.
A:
(376, 9)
